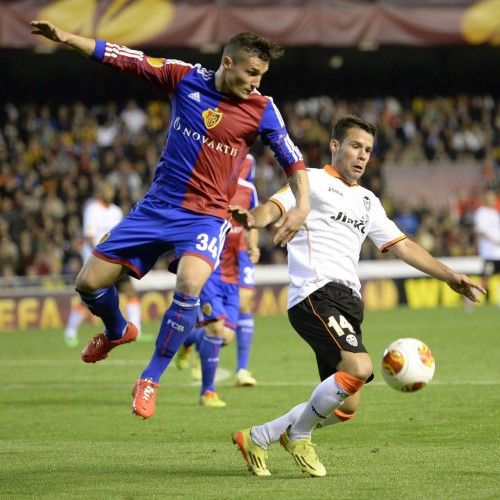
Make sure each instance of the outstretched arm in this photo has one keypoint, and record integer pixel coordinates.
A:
(85, 46)
(260, 216)
(292, 220)
(414, 255)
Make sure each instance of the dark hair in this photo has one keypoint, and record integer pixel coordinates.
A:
(351, 121)
(250, 44)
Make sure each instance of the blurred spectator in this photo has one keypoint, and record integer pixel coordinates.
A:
(108, 126)
(134, 118)
(487, 231)
(406, 219)
(53, 157)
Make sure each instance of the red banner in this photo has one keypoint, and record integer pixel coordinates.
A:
(164, 23)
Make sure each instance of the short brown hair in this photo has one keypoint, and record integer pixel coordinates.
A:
(351, 121)
(250, 44)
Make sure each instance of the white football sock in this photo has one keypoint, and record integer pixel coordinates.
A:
(324, 400)
(133, 310)
(270, 432)
(330, 420)
(76, 316)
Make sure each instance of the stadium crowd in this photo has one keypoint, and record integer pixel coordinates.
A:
(52, 157)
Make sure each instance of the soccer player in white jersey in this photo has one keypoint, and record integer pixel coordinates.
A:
(324, 301)
(487, 229)
(100, 215)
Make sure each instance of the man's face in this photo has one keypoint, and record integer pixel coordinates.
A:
(490, 198)
(107, 192)
(351, 155)
(242, 77)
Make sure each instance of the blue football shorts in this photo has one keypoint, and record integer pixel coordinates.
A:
(247, 270)
(220, 300)
(153, 228)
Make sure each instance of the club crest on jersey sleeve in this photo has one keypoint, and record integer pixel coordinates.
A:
(212, 117)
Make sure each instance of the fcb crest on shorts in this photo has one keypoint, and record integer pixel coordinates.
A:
(206, 309)
(212, 117)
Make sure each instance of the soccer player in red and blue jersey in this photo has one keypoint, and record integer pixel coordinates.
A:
(220, 300)
(216, 116)
(248, 256)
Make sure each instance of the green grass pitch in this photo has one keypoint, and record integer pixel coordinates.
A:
(67, 432)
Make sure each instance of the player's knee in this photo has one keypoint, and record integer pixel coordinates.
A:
(215, 328)
(192, 274)
(228, 336)
(97, 274)
(85, 282)
(357, 365)
(246, 308)
(361, 371)
(90, 281)
(246, 302)
(189, 286)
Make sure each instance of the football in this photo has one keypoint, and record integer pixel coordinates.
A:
(408, 365)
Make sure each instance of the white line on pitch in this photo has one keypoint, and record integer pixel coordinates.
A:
(77, 385)
(222, 375)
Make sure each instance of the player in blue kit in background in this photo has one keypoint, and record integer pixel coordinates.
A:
(248, 256)
(228, 295)
(220, 299)
(216, 116)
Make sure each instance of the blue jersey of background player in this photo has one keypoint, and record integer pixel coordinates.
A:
(216, 116)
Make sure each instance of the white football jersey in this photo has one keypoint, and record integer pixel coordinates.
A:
(327, 247)
(487, 222)
(98, 219)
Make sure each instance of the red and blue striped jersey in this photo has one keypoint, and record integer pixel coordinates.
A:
(209, 133)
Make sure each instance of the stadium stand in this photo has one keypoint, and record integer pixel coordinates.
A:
(53, 156)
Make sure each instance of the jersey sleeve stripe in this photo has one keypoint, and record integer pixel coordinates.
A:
(279, 205)
(277, 112)
(114, 52)
(297, 156)
(123, 49)
(180, 63)
(385, 248)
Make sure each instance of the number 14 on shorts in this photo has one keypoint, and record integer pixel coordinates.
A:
(340, 326)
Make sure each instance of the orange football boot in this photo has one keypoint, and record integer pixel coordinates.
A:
(144, 393)
(99, 347)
